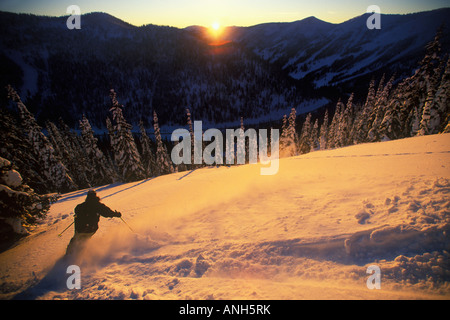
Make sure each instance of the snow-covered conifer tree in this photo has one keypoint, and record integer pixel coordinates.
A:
(334, 132)
(314, 137)
(98, 170)
(163, 161)
(433, 65)
(419, 91)
(323, 138)
(291, 136)
(68, 148)
(305, 137)
(148, 158)
(111, 133)
(380, 88)
(126, 155)
(16, 147)
(442, 98)
(20, 206)
(191, 132)
(379, 111)
(53, 171)
(415, 125)
(57, 141)
(391, 126)
(346, 123)
(242, 146)
(283, 137)
(361, 123)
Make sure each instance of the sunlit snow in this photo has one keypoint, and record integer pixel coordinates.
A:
(308, 232)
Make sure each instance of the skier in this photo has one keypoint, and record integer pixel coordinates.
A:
(87, 215)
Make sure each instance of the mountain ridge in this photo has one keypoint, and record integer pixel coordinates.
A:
(263, 69)
(339, 37)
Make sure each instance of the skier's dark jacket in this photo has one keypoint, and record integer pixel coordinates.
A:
(87, 215)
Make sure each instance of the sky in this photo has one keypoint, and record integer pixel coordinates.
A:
(183, 13)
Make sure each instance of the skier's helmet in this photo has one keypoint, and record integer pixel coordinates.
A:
(92, 195)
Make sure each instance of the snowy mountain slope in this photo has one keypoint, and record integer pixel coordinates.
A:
(274, 40)
(309, 231)
(329, 54)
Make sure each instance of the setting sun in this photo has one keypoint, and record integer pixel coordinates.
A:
(216, 26)
(216, 29)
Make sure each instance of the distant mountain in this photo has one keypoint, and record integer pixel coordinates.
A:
(331, 54)
(67, 73)
(257, 72)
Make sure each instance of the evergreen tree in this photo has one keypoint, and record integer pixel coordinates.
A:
(314, 138)
(415, 108)
(112, 142)
(242, 146)
(442, 98)
(126, 155)
(111, 133)
(334, 132)
(305, 137)
(410, 105)
(98, 170)
(163, 161)
(418, 99)
(391, 126)
(379, 112)
(68, 149)
(291, 135)
(148, 158)
(380, 88)
(52, 170)
(362, 118)
(323, 139)
(18, 149)
(346, 123)
(415, 125)
(20, 206)
(283, 138)
(431, 115)
(191, 132)
(374, 112)
(55, 138)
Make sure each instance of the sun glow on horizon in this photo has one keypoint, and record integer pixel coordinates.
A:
(185, 13)
(216, 29)
(218, 36)
(216, 26)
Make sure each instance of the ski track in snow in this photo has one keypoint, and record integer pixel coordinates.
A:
(308, 232)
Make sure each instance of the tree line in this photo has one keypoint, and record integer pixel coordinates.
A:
(418, 105)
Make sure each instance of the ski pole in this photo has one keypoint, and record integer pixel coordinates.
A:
(127, 225)
(59, 235)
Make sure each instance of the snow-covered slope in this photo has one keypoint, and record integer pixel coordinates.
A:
(309, 231)
(329, 54)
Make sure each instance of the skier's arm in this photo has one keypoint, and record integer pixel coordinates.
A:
(107, 212)
(77, 208)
